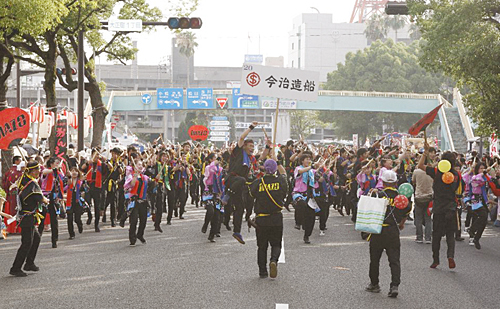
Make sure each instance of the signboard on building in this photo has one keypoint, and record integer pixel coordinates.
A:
(170, 98)
(244, 101)
(244, 125)
(280, 83)
(284, 104)
(258, 59)
(200, 98)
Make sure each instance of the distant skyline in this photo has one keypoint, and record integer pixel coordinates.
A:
(231, 29)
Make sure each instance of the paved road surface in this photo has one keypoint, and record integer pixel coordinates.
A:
(181, 269)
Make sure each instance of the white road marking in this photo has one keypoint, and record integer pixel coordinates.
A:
(281, 306)
(281, 260)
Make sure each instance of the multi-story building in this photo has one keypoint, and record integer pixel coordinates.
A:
(316, 43)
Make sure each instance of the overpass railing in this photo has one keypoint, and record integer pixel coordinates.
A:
(371, 94)
(445, 122)
(463, 115)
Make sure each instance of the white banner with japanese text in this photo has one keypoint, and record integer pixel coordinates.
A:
(280, 83)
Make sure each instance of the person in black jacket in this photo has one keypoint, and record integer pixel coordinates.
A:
(31, 197)
(270, 192)
(388, 239)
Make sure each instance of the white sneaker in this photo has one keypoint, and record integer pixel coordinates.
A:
(428, 242)
(321, 233)
(419, 241)
(471, 242)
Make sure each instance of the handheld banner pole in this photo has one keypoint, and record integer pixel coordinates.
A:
(276, 121)
(38, 126)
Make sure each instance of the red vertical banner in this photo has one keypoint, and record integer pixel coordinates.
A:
(61, 138)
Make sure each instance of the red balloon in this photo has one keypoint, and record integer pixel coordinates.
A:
(448, 178)
(401, 202)
(198, 132)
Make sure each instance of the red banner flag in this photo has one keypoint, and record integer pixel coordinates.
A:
(14, 126)
(423, 123)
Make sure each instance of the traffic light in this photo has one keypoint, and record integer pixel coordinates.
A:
(175, 23)
(396, 8)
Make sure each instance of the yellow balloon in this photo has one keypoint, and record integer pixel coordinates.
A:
(444, 166)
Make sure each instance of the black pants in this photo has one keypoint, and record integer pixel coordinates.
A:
(30, 240)
(309, 218)
(479, 224)
(458, 232)
(353, 199)
(158, 204)
(194, 190)
(389, 241)
(111, 202)
(54, 224)
(121, 202)
(324, 205)
(74, 215)
(138, 213)
(299, 212)
(180, 199)
(444, 224)
(236, 185)
(96, 198)
(268, 235)
(171, 204)
(212, 217)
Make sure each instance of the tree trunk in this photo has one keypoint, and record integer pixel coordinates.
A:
(99, 110)
(49, 85)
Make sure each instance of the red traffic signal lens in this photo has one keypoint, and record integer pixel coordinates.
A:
(196, 23)
(184, 23)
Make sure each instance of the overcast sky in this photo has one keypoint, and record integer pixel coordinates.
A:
(227, 25)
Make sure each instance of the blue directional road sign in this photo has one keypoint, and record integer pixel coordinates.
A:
(243, 100)
(200, 98)
(146, 99)
(170, 98)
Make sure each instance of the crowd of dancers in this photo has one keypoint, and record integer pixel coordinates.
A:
(311, 179)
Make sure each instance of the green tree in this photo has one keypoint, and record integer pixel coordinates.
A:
(118, 48)
(396, 22)
(377, 28)
(462, 39)
(383, 67)
(18, 18)
(182, 132)
(302, 122)
(187, 43)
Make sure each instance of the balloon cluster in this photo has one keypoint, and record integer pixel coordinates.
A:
(444, 166)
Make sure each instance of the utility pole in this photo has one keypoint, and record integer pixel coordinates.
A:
(81, 86)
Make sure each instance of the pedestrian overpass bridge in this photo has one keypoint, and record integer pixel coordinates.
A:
(455, 126)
